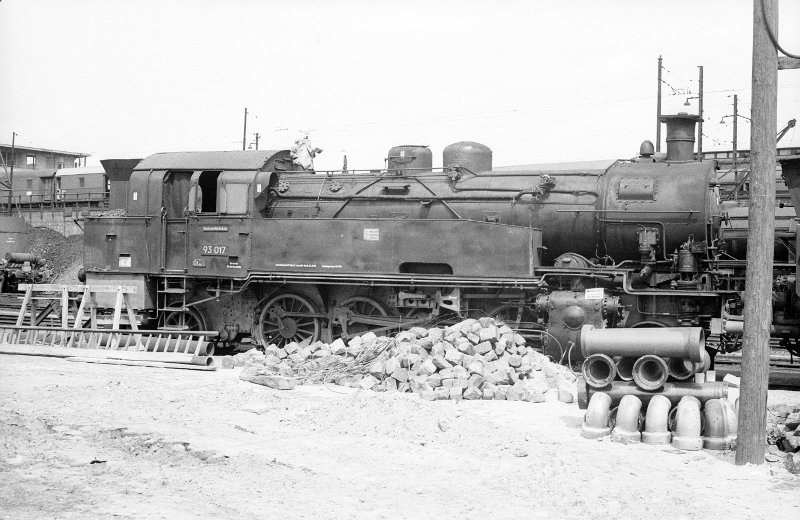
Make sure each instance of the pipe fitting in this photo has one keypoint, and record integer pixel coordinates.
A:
(626, 429)
(599, 370)
(720, 425)
(650, 372)
(672, 391)
(625, 368)
(686, 435)
(656, 422)
(678, 342)
(595, 422)
(684, 369)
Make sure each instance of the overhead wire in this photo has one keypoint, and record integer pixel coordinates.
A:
(772, 37)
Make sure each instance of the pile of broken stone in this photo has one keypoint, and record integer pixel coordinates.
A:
(783, 435)
(473, 359)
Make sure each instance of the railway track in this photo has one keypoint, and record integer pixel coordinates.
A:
(9, 308)
(784, 370)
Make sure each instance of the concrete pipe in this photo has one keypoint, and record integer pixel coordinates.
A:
(672, 391)
(595, 422)
(650, 372)
(683, 369)
(599, 370)
(668, 342)
(720, 425)
(686, 435)
(656, 422)
(626, 429)
(21, 258)
(625, 368)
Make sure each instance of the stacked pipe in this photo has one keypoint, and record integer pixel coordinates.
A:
(690, 425)
(635, 388)
(648, 357)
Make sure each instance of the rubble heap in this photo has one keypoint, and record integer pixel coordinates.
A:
(783, 435)
(473, 359)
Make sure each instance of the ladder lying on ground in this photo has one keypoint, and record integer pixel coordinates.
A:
(75, 341)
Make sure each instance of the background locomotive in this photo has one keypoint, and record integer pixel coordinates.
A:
(17, 264)
(252, 245)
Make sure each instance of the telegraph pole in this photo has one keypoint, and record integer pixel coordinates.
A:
(735, 137)
(244, 132)
(658, 109)
(751, 442)
(700, 113)
(11, 175)
(257, 137)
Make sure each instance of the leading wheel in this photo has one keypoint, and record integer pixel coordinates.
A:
(286, 318)
(188, 319)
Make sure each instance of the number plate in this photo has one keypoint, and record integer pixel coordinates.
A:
(215, 250)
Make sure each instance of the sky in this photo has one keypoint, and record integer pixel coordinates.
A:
(536, 81)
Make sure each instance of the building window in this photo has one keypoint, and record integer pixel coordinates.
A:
(60, 165)
(30, 162)
(29, 184)
(81, 182)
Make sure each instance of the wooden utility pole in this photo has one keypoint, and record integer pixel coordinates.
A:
(244, 132)
(735, 138)
(11, 175)
(658, 109)
(700, 113)
(751, 442)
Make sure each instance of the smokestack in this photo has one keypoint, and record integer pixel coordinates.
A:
(680, 136)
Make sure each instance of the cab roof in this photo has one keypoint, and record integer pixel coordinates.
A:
(233, 160)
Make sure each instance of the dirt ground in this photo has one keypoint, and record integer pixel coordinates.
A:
(94, 441)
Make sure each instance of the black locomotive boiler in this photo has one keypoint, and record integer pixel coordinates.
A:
(252, 245)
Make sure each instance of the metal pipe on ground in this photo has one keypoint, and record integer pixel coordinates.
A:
(625, 367)
(672, 391)
(155, 364)
(599, 370)
(683, 369)
(595, 422)
(650, 372)
(686, 435)
(628, 420)
(679, 342)
(130, 355)
(656, 422)
(720, 425)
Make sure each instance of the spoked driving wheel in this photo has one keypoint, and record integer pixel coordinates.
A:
(353, 308)
(286, 318)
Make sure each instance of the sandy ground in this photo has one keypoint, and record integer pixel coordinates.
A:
(97, 441)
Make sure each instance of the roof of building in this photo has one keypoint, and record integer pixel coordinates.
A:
(20, 173)
(44, 150)
(81, 170)
(237, 160)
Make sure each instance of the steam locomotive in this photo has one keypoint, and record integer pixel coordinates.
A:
(17, 264)
(252, 245)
